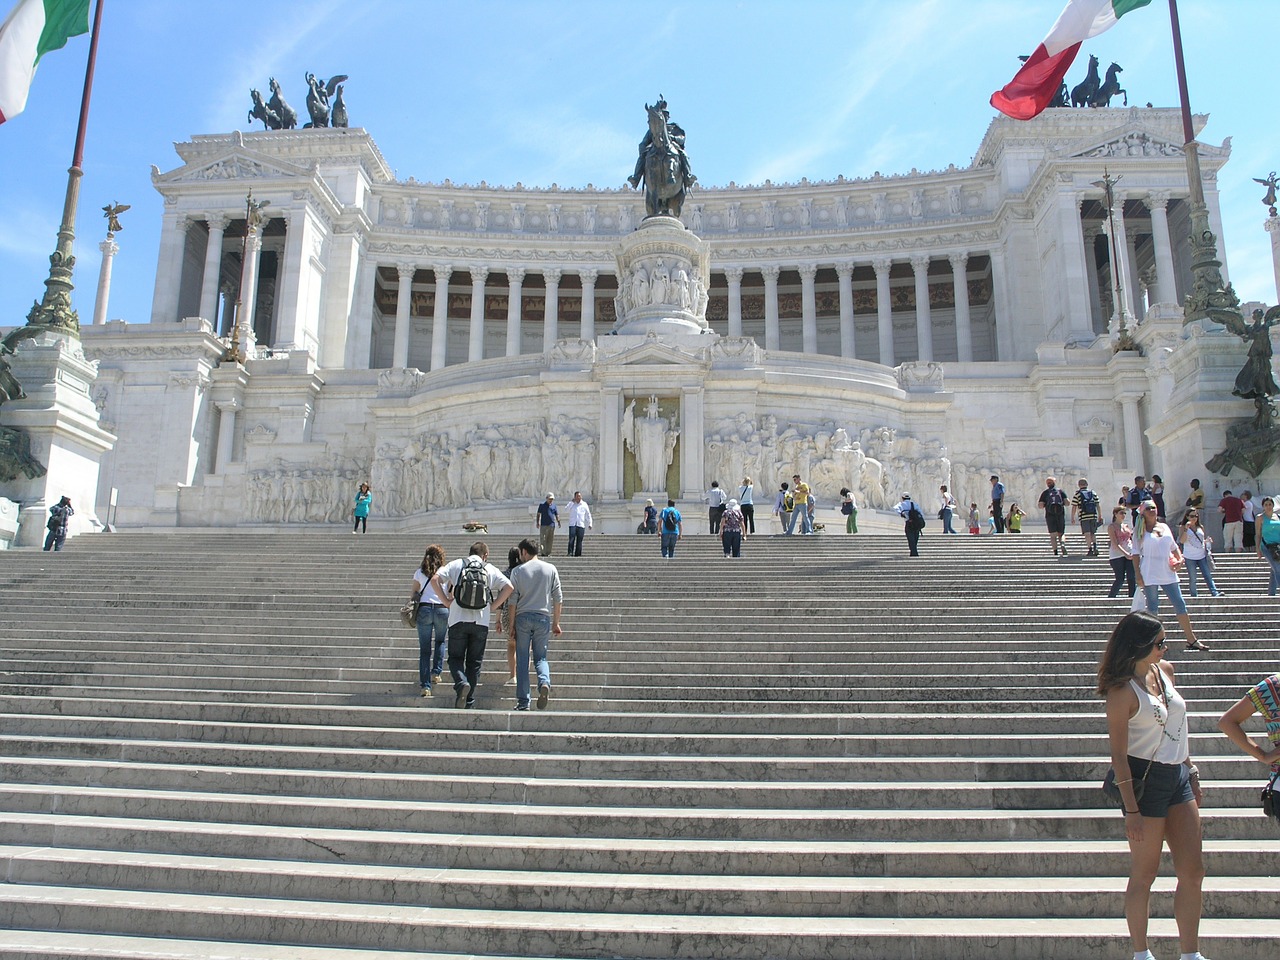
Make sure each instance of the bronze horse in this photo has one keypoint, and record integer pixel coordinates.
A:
(1109, 88)
(288, 116)
(1082, 94)
(260, 111)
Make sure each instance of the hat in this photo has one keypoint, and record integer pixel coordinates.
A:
(906, 496)
(551, 496)
(733, 504)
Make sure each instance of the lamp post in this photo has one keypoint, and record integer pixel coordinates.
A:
(1124, 341)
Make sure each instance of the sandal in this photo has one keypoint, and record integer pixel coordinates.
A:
(1199, 646)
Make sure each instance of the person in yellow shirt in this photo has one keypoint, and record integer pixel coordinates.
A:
(800, 491)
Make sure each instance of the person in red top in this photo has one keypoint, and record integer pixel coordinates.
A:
(1232, 510)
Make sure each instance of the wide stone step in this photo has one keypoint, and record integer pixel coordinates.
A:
(594, 935)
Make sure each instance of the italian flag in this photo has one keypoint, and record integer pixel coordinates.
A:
(32, 29)
(1040, 78)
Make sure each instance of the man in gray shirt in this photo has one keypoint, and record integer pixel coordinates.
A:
(536, 601)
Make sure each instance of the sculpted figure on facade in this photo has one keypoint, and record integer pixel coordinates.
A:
(652, 439)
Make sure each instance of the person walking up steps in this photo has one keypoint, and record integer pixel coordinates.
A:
(1085, 504)
(1054, 504)
(476, 588)
(672, 526)
(537, 599)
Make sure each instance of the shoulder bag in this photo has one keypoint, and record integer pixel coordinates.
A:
(1109, 788)
(409, 612)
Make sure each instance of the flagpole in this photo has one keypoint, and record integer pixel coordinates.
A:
(1210, 297)
(54, 311)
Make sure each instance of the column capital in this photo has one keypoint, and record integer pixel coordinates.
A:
(1158, 199)
(958, 260)
(882, 265)
(733, 274)
(771, 272)
(844, 269)
(109, 247)
(515, 276)
(808, 272)
(406, 270)
(219, 221)
(551, 276)
(479, 272)
(920, 262)
(442, 271)
(589, 276)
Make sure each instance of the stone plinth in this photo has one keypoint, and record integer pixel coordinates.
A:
(60, 417)
(664, 274)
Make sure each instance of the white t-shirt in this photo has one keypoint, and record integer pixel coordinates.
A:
(1194, 547)
(429, 594)
(1155, 548)
(449, 575)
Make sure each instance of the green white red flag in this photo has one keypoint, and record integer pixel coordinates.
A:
(1036, 84)
(32, 29)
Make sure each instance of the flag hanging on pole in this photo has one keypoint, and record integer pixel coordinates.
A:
(32, 29)
(1036, 84)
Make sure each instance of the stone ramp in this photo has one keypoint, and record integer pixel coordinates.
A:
(825, 749)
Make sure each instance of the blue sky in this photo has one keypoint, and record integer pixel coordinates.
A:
(540, 93)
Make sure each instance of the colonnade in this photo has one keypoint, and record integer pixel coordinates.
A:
(733, 275)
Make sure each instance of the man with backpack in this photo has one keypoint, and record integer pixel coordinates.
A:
(476, 588)
(672, 528)
(1054, 504)
(913, 522)
(1085, 503)
(59, 515)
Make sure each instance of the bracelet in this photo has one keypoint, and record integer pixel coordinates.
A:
(1118, 782)
(1132, 812)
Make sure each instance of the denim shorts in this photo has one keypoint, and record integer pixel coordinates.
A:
(1168, 784)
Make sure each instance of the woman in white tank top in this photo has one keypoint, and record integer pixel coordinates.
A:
(1147, 728)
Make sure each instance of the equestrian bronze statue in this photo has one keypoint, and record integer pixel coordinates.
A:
(662, 164)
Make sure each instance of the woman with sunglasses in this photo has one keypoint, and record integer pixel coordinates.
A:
(1197, 550)
(1267, 537)
(1147, 729)
(1156, 561)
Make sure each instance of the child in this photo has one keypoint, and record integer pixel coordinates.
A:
(974, 529)
(991, 519)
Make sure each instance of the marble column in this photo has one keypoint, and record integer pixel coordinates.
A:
(1166, 287)
(588, 278)
(1077, 324)
(515, 287)
(226, 434)
(924, 315)
(360, 326)
(1272, 226)
(884, 309)
(844, 271)
(213, 269)
(610, 443)
(960, 291)
(772, 336)
(1131, 418)
(1005, 348)
(475, 343)
(173, 248)
(440, 316)
(249, 288)
(1091, 270)
(228, 319)
(1215, 221)
(551, 308)
(109, 249)
(809, 307)
(733, 276)
(404, 295)
(1135, 298)
(692, 442)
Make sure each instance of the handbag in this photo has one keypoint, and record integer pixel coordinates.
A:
(409, 612)
(1273, 549)
(1270, 800)
(1109, 788)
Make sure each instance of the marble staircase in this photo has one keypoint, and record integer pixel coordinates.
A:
(212, 745)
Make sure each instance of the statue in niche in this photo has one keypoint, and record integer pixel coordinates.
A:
(662, 164)
(652, 440)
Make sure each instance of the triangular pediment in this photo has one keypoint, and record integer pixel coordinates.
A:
(654, 352)
(1128, 142)
(237, 163)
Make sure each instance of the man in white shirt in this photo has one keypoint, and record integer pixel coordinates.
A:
(579, 523)
(903, 509)
(716, 500)
(469, 627)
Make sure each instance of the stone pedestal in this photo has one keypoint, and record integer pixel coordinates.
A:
(61, 420)
(664, 275)
(8, 523)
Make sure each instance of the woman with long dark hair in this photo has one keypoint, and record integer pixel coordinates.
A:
(1159, 785)
(1120, 551)
(433, 617)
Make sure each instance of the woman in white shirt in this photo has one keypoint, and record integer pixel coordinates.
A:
(946, 509)
(1157, 561)
(747, 504)
(1196, 548)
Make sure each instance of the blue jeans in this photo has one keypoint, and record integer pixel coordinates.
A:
(732, 540)
(1275, 569)
(801, 513)
(946, 521)
(1123, 568)
(1203, 566)
(1171, 590)
(533, 630)
(669, 543)
(433, 626)
(575, 541)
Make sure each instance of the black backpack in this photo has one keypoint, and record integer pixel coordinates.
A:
(1088, 503)
(668, 520)
(471, 592)
(915, 519)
